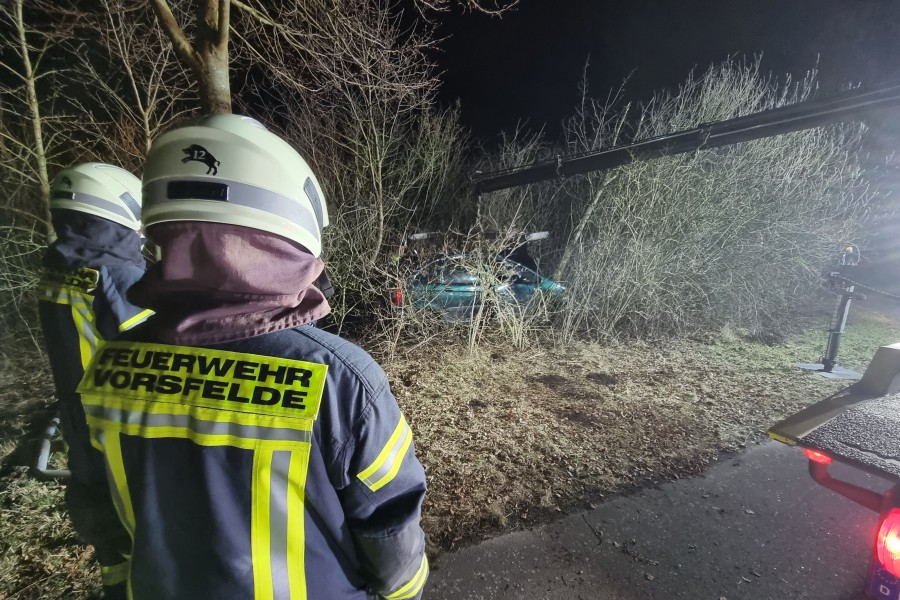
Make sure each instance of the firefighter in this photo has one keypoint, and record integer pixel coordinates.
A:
(96, 211)
(250, 454)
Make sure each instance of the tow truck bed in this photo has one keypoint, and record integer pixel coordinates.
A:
(867, 435)
(859, 425)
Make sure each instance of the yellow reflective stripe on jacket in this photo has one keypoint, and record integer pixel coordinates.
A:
(224, 429)
(81, 304)
(275, 538)
(136, 320)
(385, 467)
(115, 574)
(414, 585)
(112, 450)
(260, 526)
(277, 523)
(155, 391)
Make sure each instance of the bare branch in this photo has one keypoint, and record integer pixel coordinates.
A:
(176, 35)
(257, 14)
(224, 25)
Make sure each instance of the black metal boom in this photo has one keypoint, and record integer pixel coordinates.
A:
(786, 119)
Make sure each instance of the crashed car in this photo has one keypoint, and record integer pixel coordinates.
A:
(454, 286)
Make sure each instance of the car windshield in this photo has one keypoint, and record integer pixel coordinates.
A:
(458, 275)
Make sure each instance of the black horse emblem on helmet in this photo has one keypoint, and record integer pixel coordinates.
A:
(200, 154)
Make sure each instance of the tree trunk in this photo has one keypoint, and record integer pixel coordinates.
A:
(34, 109)
(215, 88)
(579, 229)
(212, 50)
(208, 58)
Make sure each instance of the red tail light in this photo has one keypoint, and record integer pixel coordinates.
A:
(397, 296)
(818, 457)
(888, 545)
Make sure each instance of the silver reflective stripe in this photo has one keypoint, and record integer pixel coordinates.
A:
(248, 432)
(96, 202)
(57, 294)
(246, 195)
(278, 526)
(310, 188)
(82, 318)
(132, 205)
(88, 330)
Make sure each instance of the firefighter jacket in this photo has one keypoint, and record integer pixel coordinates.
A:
(81, 302)
(272, 467)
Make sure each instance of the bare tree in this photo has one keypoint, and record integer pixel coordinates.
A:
(24, 49)
(139, 87)
(207, 56)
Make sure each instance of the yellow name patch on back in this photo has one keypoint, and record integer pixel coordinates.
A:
(216, 379)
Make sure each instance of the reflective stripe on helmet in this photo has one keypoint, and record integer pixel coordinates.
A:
(101, 190)
(229, 169)
(235, 193)
(96, 202)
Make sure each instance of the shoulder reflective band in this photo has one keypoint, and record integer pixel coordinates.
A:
(414, 585)
(179, 375)
(385, 467)
(79, 281)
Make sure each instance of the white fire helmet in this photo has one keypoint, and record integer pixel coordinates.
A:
(101, 190)
(230, 169)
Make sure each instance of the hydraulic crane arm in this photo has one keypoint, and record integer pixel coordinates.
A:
(786, 119)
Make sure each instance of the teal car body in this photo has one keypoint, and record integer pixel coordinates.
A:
(451, 286)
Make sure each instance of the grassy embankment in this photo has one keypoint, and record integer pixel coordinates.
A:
(508, 438)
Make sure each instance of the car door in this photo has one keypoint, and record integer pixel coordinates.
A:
(462, 289)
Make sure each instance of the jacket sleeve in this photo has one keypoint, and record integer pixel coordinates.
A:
(383, 501)
(115, 314)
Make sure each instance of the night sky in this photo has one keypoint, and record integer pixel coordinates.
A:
(527, 65)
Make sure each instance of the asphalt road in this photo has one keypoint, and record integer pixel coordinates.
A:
(754, 527)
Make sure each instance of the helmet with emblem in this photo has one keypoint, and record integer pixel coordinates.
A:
(101, 190)
(230, 169)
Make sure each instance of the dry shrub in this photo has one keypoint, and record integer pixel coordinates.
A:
(730, 235)
(20, 251)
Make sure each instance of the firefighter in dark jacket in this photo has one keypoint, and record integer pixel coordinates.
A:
(96, 257)
(250, 454)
